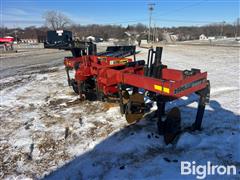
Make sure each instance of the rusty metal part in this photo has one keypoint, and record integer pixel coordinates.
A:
(134, 108)
(80, 92)
(123, 100)
(172, 125)
(125, 96)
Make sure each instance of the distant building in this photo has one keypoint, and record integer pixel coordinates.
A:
(90, 38)
(203, 37)
(32, 36)
(170, 36)
(174, 37)
(220, 37)
(29, 41)
(144, 42)
(112, 40)
(216, 37)
(94, 39)
(211, 37)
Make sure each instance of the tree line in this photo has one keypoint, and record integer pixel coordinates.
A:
(57, 20)
(217, 29)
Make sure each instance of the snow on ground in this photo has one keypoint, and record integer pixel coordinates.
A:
(46, 129)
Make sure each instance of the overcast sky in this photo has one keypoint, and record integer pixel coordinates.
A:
(167, 13)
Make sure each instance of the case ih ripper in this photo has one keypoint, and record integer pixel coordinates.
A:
(131, 82)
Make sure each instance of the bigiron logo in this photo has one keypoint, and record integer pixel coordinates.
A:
(202, 171)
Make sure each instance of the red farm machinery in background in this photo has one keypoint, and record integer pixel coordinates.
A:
(131, 82)
(7, 43)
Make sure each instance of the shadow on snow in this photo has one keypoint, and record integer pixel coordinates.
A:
(138, 152)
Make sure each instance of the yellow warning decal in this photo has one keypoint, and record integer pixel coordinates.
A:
(166, 90)
(121, 61)
(161, 88)
(157, 87)
(104, 59)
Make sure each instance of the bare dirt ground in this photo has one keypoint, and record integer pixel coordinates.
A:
(45, 128)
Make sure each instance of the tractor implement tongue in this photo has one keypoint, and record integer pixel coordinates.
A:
(101, 77)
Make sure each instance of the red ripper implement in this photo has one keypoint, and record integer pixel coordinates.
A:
(132, 82)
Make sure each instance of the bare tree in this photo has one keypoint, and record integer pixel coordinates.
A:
(56, 20)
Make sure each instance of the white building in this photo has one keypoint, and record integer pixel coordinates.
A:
(203, 37)
(90, 38)
(211, 37)
(174, 37)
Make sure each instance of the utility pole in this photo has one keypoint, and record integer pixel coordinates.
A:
(150, 8)
(222, 28)
(236, 27)
(154, 33)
